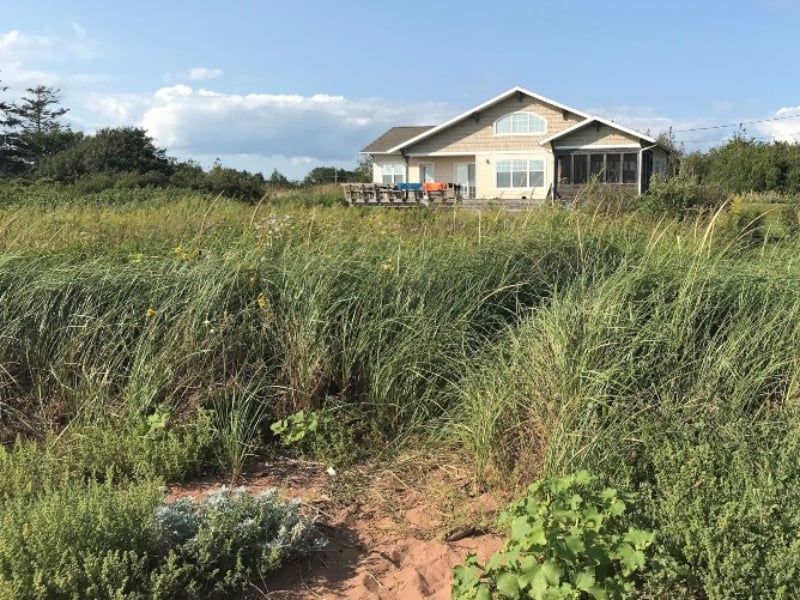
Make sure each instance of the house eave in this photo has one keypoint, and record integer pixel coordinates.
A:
(585, 123)
(481, 107)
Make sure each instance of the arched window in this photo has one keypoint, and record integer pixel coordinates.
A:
(520, 123)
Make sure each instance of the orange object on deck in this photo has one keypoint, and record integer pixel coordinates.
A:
(434, 187)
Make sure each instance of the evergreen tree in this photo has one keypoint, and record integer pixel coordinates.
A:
(10, 163)
(40, 112)
(39, 121)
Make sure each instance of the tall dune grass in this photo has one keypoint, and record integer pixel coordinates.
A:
(677, 375)
(662, 356)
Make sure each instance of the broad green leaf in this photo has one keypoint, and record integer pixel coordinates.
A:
(616, 508)
(483, 593)
(639, 538)
(529, 563)
(597, 593)
(527, 575)
(552, 572)
(563, 514)
(495, 561)
(538, 584)
(507, 585)
(520, 528)
(584, 580)
(631, 559)
(544, 579)
(608, 493)
(575, 544)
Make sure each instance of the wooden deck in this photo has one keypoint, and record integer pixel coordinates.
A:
(375, 194)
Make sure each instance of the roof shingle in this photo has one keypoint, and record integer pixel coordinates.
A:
(395, 136)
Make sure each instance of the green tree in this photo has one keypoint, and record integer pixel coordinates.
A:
(41, 131)
(234, 183)
(666, 139)
(187, 174)
(322, 175)
(40, 112)
(363, 172)
(278, 179)
(109, 152)
(10, 163)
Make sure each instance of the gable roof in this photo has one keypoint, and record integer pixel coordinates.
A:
(393, 137)
(507, 94)
(590, 120)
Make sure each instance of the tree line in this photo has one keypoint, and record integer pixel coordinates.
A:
(37, 146)
(744, 164)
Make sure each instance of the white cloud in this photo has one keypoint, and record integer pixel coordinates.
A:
(697, 133)
(16, 45)
(204, 74)
(787, 129)
(30, 59)
(320, 127)
(19, 77)
(110, 110)
(81, 45)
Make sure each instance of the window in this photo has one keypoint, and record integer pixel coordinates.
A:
(581, 169)
(520, 123)
(523, 174)
(565, 169)
(608, 167)
(596, 165)
(612, 168)
(393, 173)
(629, 168)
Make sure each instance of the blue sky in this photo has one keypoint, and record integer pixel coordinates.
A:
(296, 84)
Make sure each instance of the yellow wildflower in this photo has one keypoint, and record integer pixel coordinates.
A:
(139, 257)
(387, 265)
(737, 204)
(262, 301)
(184, 256)
(178, 249)
(149, 312)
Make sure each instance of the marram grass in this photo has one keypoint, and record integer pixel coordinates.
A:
(662, 356)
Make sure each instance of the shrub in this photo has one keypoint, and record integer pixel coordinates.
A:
(683, 198)
(83, 540)
(723, 504)
(143, 448)
(606, 200)
(227, 540)
(568, 539)
(89, 540)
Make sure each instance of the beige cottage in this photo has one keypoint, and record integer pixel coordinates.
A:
(518, 145)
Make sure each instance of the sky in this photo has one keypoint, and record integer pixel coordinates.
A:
(295, 84)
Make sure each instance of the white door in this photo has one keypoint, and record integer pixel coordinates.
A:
(426, 173)
(465, 177)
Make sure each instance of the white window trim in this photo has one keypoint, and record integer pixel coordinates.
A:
(527, 175)
(394, 170)
(520, 112)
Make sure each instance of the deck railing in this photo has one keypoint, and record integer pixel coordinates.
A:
(377, 194)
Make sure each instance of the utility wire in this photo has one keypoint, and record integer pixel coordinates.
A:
(740, 123)
(761, 138)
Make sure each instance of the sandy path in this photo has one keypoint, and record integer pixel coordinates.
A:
(386, 538)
